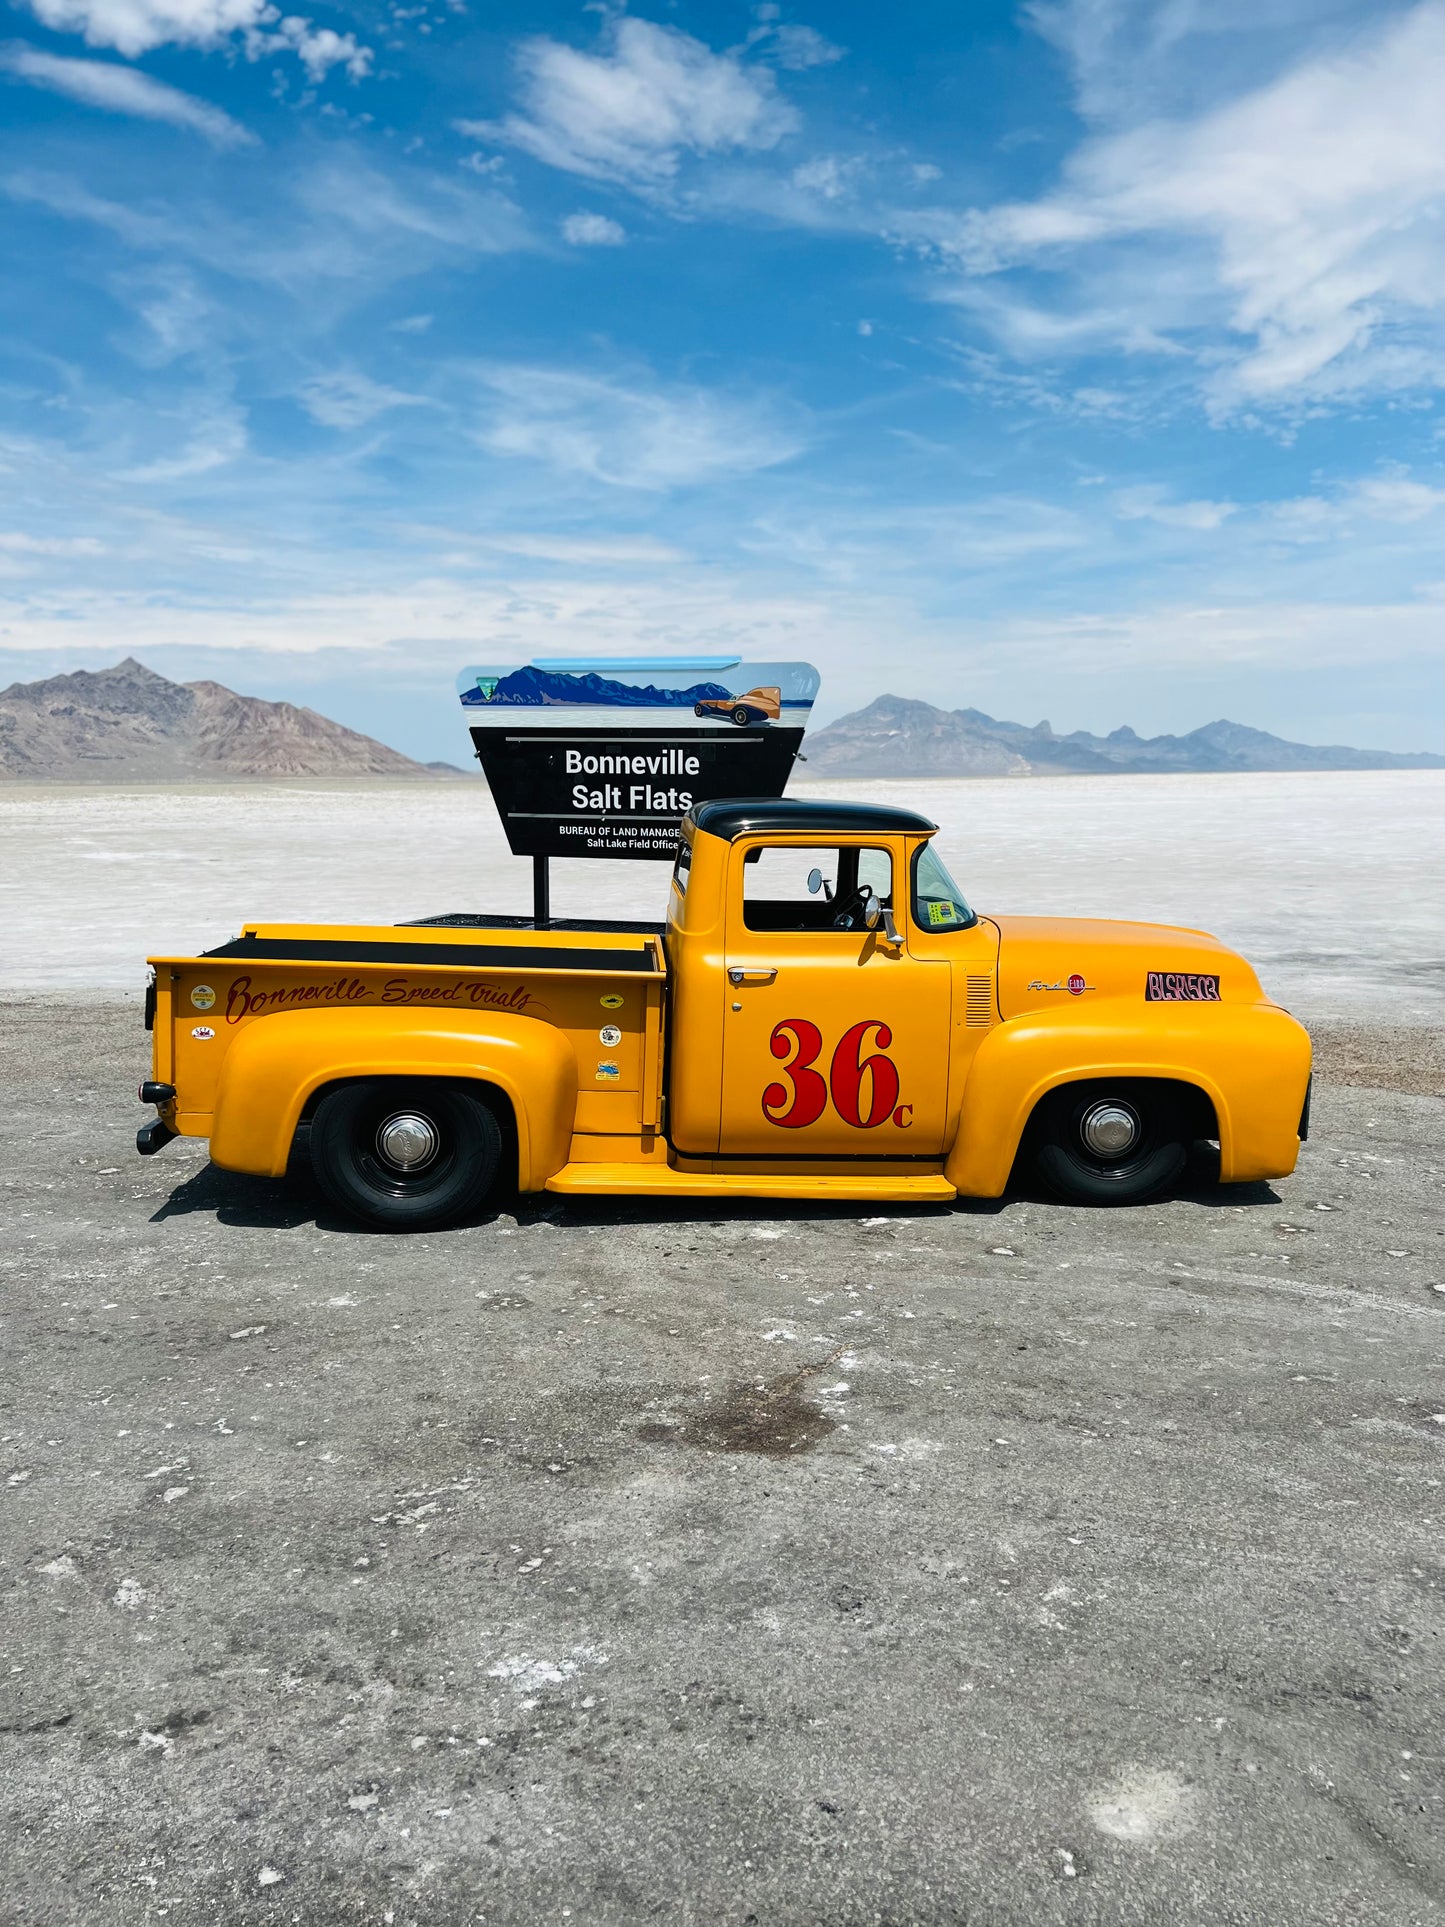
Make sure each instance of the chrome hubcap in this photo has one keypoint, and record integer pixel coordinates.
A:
(1109, 1129)
(407, 1141)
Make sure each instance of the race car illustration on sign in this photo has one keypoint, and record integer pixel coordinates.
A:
(753, 706)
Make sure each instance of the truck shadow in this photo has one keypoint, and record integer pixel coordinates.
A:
(294, 1202)
(266, 1204)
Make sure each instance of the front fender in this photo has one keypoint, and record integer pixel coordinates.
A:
(1251, 1060)
(278, 1062)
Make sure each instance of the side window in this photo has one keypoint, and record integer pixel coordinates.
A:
(683, 867)
(792, 887)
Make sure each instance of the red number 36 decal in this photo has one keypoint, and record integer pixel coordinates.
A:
(850, 1074)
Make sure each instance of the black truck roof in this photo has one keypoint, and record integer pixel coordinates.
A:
(732, 817)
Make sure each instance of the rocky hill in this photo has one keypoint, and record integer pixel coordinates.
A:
(896, 737)
(127, 725)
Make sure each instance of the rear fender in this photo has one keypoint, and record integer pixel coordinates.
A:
(279, 1062)
(1252, 1061)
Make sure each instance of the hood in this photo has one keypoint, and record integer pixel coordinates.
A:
(1048, 962)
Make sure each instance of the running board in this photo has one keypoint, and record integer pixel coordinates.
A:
(661, 1181)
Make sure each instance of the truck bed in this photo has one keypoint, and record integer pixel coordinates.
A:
(601, 986)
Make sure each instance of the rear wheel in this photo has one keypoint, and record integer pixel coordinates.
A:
(405, 1154)
(742, 717)
(1111, 1143)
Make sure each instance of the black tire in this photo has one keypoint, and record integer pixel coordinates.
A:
(699, 709)
(1076, 1170)
(448, 1182)
(742, 716)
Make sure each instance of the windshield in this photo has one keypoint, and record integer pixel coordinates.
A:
(937, 900)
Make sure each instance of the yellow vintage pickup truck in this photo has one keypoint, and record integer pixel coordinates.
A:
(821, 1016)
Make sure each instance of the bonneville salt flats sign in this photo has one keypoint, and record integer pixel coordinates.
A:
(605, 758)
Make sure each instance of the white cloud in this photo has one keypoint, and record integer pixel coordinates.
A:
(593, 231)
(346, 398)
(614, 550)
(630, 112)
(318, 48)
(1303, 218)
(16, 542)
(832, 176)
(135, 27)
(1395, 498)
(629, 434)
(122, 90)
(1149, 503)
(1391, 499)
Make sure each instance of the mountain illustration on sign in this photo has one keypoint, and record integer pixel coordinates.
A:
(530, 688)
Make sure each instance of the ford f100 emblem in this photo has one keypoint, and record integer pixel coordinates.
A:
(1074, 984)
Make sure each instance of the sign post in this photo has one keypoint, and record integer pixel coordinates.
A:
(605, 758)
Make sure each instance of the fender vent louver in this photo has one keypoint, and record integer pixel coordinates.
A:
(979, 1004)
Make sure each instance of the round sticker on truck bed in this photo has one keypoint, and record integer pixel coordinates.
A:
(203, 1033)
(203, 996)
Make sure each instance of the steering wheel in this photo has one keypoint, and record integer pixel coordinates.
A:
(850, 912)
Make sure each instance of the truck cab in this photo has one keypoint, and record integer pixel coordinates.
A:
(830, 986)
(822, 1014)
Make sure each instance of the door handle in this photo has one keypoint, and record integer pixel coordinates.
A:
(763, 975)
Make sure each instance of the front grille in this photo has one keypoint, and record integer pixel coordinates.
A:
(979, 1002)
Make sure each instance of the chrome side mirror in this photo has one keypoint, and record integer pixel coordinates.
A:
(875, 913)
(815, 882)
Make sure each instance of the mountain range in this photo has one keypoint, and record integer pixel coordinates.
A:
(129, 725)
(894, 736)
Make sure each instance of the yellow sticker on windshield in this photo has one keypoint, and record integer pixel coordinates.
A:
(941, 913)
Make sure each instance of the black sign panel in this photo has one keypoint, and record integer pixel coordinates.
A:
(621, 792)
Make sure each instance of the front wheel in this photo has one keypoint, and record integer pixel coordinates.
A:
(1110, 1143)
(405, 1154)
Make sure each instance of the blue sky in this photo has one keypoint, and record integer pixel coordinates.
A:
(1081, 359)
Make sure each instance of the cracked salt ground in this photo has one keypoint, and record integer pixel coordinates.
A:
(861, 1661)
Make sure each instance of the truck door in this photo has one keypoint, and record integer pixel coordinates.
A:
(835, 1043)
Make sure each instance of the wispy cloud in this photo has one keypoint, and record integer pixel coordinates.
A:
(343, 221)
(631, 111)
(1302, 221)
(791, 45)
(345, 398)
(123, 90)
(630, 433)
